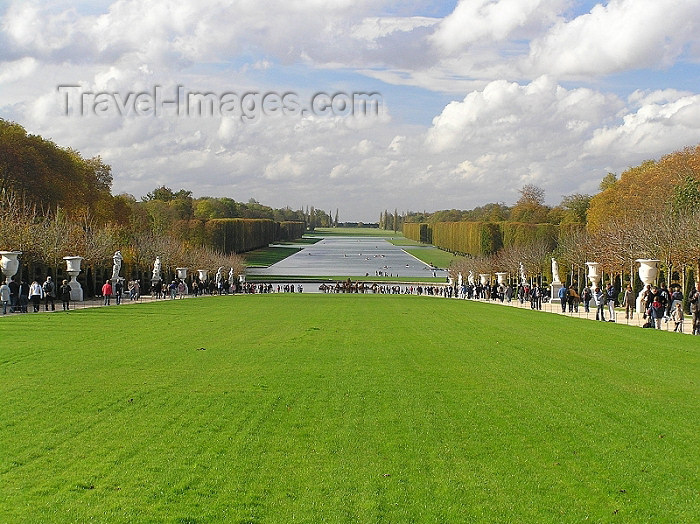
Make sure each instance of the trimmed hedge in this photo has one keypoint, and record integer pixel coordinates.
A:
(237, 235)
(420, 232)
(289, 230)
(481, 238)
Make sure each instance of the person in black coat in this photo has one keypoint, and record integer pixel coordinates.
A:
(14, 295)
(65, 295)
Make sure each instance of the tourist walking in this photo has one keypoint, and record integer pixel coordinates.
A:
(677, 317)
(586, 296)
(5, 297)
(611, 299)
(107, 292)
(23, 296)
(118, 291)
(695, 308)
(49, 294)
(36, 293)
(14, 295)
(598, 299)
(676, 297)
(665, 298)
(573, 300)
(65, 295)
(656, 312)
(628, 302)
(563, 298)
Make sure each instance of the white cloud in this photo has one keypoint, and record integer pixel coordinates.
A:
(622, 35)
(659, 124)
(509, 123)
(474, 21)
(17, 70)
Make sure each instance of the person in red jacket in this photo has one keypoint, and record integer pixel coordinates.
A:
(107, 292)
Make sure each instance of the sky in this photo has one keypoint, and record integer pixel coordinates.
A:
(472, 99)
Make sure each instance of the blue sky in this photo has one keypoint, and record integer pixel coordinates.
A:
(480, 96)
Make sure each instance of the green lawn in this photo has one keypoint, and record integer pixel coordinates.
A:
(403, 241)
(267, 256)
(434, 256)
(344, 408)
(353, 232)
(319, 279)
(303, 240)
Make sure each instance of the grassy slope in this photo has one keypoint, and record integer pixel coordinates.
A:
(434, 256)
(342, 408)
(267, 256)
(339, 278)
(353, 232)
(403, 241)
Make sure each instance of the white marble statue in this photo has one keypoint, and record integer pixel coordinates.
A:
(219, 275)
(555, 271)
(117, 258)
(231, 277)
(470, 278)
(523, 277)
(156, 269)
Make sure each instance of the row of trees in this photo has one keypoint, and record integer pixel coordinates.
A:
(391, 222)
(54, 202)
(45, 237)
(530, 208)
(652, 211)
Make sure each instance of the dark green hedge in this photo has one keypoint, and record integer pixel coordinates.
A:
(481, 238)
(237, 235)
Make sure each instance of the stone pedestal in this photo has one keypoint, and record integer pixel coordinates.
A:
(73, 269)
(554, 288)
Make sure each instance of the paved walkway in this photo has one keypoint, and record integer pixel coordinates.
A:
(90, 303)
(636, 320)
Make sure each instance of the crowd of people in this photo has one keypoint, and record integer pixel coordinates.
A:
(16, 297)
(659, 305)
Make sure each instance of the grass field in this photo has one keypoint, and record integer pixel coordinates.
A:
(344, 409)
(403, 241)
(303, 240)
(320, 279)
(353, 232)
(267, 256)
(434, 256)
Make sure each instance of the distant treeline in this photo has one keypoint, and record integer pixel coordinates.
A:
(54, 203)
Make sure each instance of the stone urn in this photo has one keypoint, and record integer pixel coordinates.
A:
(203, 274)
(484, 278)
(181, 272)
(9, 263)
(594, 273)
(648, 271)
(501, 278)
(73, 269)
